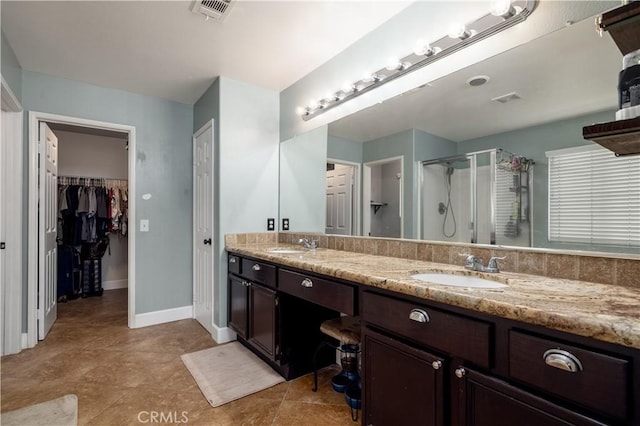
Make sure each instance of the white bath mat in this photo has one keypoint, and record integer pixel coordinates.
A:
(229, 372)
(57, 412)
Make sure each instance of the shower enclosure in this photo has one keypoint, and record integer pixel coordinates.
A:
(480, 197)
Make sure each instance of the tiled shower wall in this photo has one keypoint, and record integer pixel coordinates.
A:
(584, 267)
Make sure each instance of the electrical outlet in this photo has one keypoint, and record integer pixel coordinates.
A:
(285, 224)
(271, 224)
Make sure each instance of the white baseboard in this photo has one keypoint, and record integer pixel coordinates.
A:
(115, 284)
(223, 334)
(25, 341)
(160, 317)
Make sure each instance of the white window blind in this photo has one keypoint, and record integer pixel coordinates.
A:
(594, 197)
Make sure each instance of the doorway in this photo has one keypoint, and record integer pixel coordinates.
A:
(383, 196)
(37, 261)
(343, 198)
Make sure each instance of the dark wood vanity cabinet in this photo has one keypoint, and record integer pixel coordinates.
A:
(428, 364)
(253, 305)
(404, 385)
(263, 320)
(482, 400)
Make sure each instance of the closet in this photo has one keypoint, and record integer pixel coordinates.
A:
(92, 211)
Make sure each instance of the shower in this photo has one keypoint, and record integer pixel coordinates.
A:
(487, 192)
(448, 207)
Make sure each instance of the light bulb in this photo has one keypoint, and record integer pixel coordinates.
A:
(301, 111)
(330, 97)
(313, 104)
(371, 77)
(423, 48)
(348, 87)
(502, 8)
(393, 64)
(459, 31)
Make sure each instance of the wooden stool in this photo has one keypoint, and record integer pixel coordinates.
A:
(346, 330)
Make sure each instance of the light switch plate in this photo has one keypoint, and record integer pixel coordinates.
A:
(144, 225)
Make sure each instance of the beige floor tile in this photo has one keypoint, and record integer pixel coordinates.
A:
(119, 374)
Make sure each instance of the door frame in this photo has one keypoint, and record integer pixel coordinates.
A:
(32, 268)
(11, 278)
(357, 199)
(366, 192)
(214, 238)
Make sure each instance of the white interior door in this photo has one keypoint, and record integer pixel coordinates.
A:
(340, 200)
(47, 225)
(204, 239)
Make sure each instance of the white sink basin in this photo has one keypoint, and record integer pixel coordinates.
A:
(285, 251)
(458, 280)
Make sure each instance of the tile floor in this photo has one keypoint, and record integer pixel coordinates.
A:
(118, 373)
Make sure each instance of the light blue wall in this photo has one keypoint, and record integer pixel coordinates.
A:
(533, 142)
(246, 120)
(393, 146)
(11, 69)
(429, 147)
(303, 181)
(163, 168)
(344, 149)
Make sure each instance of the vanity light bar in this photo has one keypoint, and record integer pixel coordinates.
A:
(505, 15)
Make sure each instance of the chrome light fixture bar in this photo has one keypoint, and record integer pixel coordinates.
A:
(503, 14)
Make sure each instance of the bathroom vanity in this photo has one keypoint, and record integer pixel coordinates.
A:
(540, 351)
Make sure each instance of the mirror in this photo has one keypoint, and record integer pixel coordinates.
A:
(562, 82)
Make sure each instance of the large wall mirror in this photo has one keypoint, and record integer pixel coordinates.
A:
(496, 119)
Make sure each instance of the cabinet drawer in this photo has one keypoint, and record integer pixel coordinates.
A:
(601, 383)
(233, 264)
(463, 337)
(259, 272)
(330, 294)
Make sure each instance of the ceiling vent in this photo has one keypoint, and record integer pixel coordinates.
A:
(212, 9)
(507, 98)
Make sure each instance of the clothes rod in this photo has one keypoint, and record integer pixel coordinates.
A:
(87, 180)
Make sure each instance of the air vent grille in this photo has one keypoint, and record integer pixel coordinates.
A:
(507, 98)
(212, 9)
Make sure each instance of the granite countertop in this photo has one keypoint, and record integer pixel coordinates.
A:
(603, 312)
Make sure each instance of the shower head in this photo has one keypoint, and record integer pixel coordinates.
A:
(450, 170)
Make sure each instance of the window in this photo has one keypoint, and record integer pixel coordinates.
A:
(594, 197)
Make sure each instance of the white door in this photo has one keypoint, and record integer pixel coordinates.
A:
(204, 240)
(340, 200)
(47, 228)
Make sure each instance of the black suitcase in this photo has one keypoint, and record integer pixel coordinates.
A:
(68, 285)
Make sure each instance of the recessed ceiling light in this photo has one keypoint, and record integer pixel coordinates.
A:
(478, 80)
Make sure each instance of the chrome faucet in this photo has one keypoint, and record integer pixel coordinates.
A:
(307, 243)
(474, 263)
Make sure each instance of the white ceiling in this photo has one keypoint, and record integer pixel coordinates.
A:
(162, 49)
(565, 74)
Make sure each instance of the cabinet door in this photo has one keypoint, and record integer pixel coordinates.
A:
(403, 385)
(481, 400)
(262, 318)
(238, 305)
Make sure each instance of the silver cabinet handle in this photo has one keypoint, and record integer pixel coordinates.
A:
(307, 283)
(244, 283)
(563, 360)
(460, 372)
(232, 260)
(419, 315)
(256, 267)
(437, 365)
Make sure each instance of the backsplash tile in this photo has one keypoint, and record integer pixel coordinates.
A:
(627, 272)
(562, 266)
(394, 248)
(600, 268)
(424, 252)
(531, 263)
(408, 250)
